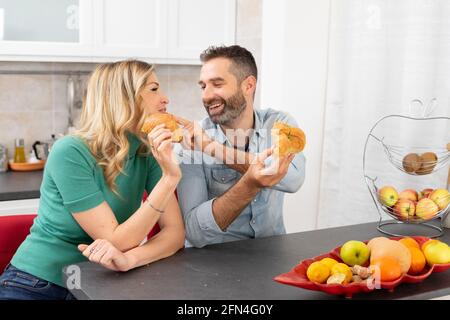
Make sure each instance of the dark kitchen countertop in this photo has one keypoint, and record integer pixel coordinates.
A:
(244, 270)
(17, 185)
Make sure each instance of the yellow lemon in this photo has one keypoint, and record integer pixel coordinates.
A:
(426, 243)
(329, 262)
(318, 272)
(343, 268)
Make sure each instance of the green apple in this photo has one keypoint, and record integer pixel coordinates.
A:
(355, 252)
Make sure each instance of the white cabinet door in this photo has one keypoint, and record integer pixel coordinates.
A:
(33, 31)
(194, 25)
(26, 206)
(130, 29)
(159, 31)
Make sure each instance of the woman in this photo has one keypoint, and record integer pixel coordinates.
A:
(93, 186)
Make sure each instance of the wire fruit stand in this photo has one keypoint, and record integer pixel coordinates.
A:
(387, 150)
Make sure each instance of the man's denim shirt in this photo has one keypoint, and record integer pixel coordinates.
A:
(205, 178)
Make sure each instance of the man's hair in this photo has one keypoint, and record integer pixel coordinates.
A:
(242, 61)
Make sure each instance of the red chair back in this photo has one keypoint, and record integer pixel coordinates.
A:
(13, 231)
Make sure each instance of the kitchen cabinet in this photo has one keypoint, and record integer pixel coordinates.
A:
(137, 29)
(47, 30)
(14, 207)
(19, 192)
(196, 24)
(157, 31)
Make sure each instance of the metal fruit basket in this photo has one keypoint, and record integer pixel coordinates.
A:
(385, 162)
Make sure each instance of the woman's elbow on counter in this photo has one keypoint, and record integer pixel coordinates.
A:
(180, 240)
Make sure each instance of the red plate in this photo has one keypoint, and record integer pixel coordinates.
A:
(297, 276)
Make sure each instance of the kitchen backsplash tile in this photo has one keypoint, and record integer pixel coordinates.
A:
(11, 127)
(60, 120)
(184, 92)
(29, 125)
(59, 90)
(25, 92)
(162, 72)
(33, 107)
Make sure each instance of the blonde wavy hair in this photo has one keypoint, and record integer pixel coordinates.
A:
(111, 110)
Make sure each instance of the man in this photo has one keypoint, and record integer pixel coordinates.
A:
(231, 187)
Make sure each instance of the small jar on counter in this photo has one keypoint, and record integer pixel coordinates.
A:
(19, 153)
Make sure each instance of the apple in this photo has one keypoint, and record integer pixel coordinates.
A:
(405, 208)
(427, 243)
(441, 197)
(437, 252)
(426, 209)
(388, 196)
(408, 194)
(424, 193)
(355, 252)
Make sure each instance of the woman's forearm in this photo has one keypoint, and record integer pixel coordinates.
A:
(131, 233)
(234, 158)
(164, 244)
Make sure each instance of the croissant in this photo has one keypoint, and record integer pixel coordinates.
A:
(166, 118)
(287, 139)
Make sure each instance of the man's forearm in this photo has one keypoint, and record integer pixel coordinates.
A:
(229, 205)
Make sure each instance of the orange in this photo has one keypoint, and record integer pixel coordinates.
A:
(329, 262)
(389, 268)
(418, 260)
(318, 272)
(409, 242)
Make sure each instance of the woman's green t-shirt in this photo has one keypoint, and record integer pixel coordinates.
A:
(73, 182)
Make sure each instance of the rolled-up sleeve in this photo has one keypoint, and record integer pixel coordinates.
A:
(201, 227)
(295, 175)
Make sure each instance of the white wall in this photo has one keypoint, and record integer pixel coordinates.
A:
(293, 78)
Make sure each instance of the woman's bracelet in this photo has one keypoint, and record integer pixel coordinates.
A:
(156, 209)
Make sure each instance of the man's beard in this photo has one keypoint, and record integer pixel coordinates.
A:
(232, 108)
